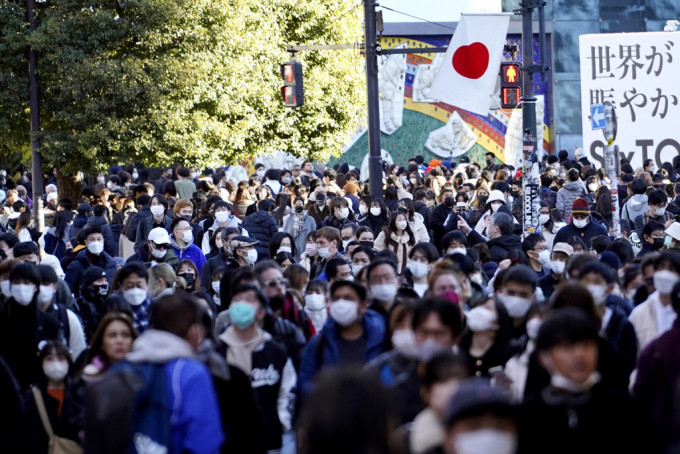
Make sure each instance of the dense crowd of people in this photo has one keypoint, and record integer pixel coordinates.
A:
(288, 310)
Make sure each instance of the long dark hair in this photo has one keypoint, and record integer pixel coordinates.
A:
(392, 227)
(61, 220)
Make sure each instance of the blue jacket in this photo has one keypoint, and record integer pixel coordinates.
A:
(191, 252)
(261, 226)
(374, 330)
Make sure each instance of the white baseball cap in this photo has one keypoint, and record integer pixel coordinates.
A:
(159, 236)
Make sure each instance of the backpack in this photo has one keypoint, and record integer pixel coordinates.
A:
(133, 398)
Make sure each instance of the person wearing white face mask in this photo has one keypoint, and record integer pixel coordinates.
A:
(222, 213)
(328, 240)
(558, 260)
(383, 284)
(421, 258)
(582, 225)
(157, 249)
(71, 329)
(340, 213)
(23, 326)
(315, 303)
(158, 218)
(353, 335)
(536, 249)
(598, 278)
(398, 238)
(517, 294)
(182, 240)
(132, 282)
(578, 401)
(244, 251)
(94, 254)
(480, 419)
(299, 225)
(655, 316)
(657, 201)
(52, 405)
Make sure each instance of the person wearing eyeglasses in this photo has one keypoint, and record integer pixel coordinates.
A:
(157, 249)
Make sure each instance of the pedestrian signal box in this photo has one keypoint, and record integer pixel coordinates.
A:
(511, 85)
(292, 90)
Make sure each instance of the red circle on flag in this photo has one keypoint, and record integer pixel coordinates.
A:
(471, 61)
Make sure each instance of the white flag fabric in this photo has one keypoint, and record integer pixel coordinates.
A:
(467, 77)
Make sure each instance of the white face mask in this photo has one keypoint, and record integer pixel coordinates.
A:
(660, 211)
(216, 287)
(157, 210)
(101, 180)
(557, 266)
(23, 293)
(135, 296)
(413, 181)
(495, 206)
(135, 175)
(310, 249)
(543, 218)
(404, 342)
(344, 213)
(260, 173)
(592, 187)
(401, 225)
(457, 250)
(324, 252)
(109, 185)
(599, 293)
(533, 326)
(418, 269)
(363, 210)
(516, 305)
(544, 258)
(580, 223)
(356, 268)
(95, 247)
(481, 319)
(158, 253)
(55, 370)
(5, 287)
(384, 292)
(284, 249)
(485, 440)
(375, 211)
(45, 294)
(344, 244)
(344, 312)
(221, 216)
(664, 281)
(315, 301)
(251, 256)
(188, 236)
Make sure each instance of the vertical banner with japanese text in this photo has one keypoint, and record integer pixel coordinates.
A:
(638, 73)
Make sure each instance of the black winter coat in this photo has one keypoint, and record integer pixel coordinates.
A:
(143, 229)
(110, 246)
(261, 226)
(83, 261)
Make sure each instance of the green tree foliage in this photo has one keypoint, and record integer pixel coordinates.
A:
(163, 81)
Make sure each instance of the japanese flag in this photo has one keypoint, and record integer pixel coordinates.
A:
(467, 76)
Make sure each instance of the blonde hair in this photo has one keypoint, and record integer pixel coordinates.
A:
(165, 272)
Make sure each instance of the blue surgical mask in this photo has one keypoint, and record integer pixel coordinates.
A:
(242, 314)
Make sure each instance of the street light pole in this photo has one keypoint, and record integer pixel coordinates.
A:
(36, 160)
(372, 94)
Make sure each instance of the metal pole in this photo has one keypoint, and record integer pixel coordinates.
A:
(530, 163)
(372, 94)
(36, 167)
(611, 157)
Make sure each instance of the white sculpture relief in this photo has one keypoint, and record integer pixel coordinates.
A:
(451, 140)
(423, 80)
(391, 79)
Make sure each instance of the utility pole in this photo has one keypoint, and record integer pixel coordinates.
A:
(372, 97)
(612, 165)
(36, 167)
(532, 152)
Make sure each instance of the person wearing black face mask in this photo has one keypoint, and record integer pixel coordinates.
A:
(94, 287)
(441, 220)
(491, 162)
(653, 236)
(299, 225)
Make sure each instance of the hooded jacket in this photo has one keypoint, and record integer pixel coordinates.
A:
(324, 347)
(189, 251)
(110, 245)
(635, 206)
(566, 196)
(261, 226)
(84, 260)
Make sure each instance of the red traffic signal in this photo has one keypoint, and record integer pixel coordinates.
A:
(292, 90)
(511, 85)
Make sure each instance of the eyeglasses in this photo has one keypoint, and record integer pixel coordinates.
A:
(276, 282)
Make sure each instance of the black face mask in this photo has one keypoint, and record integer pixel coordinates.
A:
(320, 202)
(102, 290)
(276, 303)
(299, 209)
(449, 201)
(514, 193)
(368, 244)
(190, 278)
(658, 243)
(187, 218)
(482, 200)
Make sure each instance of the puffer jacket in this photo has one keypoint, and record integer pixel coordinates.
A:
(566, 196)
(261, 226)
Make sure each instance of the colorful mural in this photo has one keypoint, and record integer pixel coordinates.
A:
(420, 119)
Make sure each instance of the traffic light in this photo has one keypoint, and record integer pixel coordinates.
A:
(511, 85)
(292, 91)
